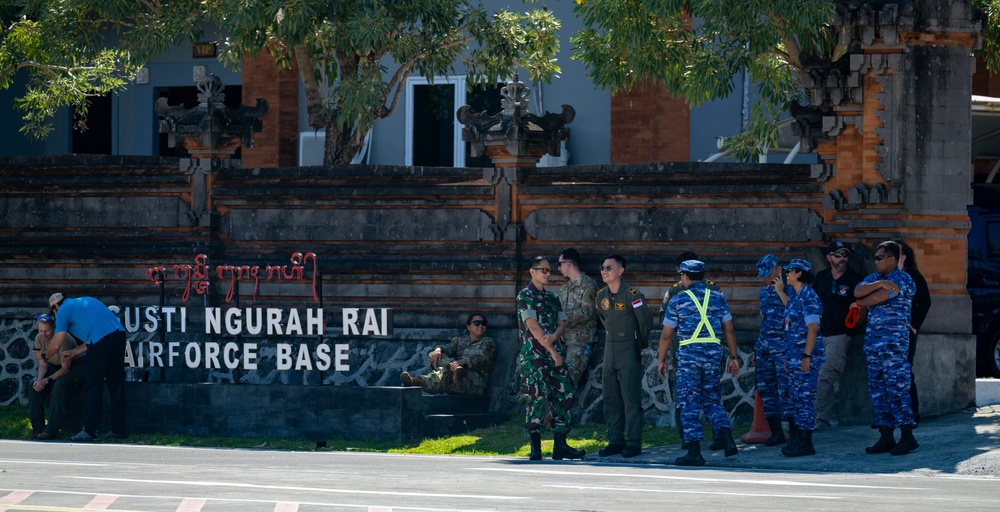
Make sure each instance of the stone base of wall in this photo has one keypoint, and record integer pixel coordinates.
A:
(247, 410)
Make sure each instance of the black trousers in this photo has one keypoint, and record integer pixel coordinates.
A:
(105, 364)
(913, 384)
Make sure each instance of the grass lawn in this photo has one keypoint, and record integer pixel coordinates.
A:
(507, 439)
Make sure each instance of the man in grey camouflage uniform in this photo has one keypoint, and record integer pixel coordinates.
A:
(462, 367)
(577, 300)
(627, 320)
(545, 381)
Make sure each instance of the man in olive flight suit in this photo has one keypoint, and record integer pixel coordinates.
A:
(627, 320)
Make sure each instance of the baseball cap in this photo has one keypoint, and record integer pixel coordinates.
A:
(799, 264)
(835, 246)
(766, 264)
(691, 267)
(55, 298)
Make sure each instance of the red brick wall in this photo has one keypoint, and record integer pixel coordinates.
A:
(277, 144)
(648, 125)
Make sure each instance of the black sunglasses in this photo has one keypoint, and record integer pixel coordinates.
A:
(606, 268)
(882, 257)
(478, 323)
(545, 270)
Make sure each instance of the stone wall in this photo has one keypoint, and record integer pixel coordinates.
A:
(432, 243)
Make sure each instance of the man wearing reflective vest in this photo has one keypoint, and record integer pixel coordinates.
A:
(698, 315)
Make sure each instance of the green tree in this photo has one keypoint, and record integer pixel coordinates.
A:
(344, 49)
(696, 49)
(63, 51)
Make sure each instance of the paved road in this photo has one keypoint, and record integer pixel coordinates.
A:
(72, 477)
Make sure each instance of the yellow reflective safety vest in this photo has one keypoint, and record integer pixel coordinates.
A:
(704, 323)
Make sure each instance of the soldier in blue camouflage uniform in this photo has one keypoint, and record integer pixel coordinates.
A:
(888, 294)
(545, 379)
(804, 356)
(697, 315)
(769, 351)
(462, 367)
(577, 300)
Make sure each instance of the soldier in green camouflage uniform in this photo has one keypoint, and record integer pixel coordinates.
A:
(545, 381)
(462, 367)
(577, 299)
(627, 320)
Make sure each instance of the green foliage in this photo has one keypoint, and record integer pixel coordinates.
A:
(61, 48)
(991, 32)
(698, 48)
(507, 439)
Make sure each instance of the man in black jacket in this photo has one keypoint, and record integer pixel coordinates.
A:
(835, 287)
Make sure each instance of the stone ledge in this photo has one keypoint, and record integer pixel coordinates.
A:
(987, 392)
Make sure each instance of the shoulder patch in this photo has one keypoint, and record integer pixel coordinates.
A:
(633, 291)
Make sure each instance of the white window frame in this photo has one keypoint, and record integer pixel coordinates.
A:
(458, 146)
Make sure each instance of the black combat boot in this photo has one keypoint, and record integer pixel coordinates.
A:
(561, 450)
(728, 443)
(907, 443)
(793, 433)
(717, 442)
(886, 442)
(693, 457)
(803, 447)
(536, 446)
(777, 433)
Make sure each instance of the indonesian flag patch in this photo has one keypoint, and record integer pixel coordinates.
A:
(636, 303)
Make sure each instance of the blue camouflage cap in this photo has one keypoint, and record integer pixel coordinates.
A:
(799, 264)
(766, 264)
(691, 267)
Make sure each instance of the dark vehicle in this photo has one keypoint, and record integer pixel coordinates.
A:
(984, 277)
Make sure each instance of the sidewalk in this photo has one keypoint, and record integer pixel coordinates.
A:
(964, 443)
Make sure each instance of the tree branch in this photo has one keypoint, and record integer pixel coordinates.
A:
(307, 72)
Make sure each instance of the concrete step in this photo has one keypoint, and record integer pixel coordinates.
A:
(455, 404)
(437, 425)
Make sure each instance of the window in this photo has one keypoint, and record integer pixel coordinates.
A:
(993, 241)
(433, 133)
(92, 133)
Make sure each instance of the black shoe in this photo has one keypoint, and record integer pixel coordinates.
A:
(83, 437)
(561, 450)
(728, 443)
(885, 442)
(777, 436)
(631, 451)
(693, 456)
(803, 446)
(536, 446)
(717, 442)
(907, 443)
(611, 449)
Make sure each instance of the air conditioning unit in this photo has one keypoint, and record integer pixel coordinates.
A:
(311, 147)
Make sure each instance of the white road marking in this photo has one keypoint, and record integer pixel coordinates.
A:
(788, 483)
(191, 505)
(709, 492)
(285, 506)
(309, 489)
(101, 502)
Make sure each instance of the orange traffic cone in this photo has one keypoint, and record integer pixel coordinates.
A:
(759, 430)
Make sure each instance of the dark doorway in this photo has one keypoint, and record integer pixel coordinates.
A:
(92, 132)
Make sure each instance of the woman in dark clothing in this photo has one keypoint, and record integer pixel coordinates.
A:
(921, 305)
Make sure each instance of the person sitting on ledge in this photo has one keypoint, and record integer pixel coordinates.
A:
(463, 366)
(58, 380)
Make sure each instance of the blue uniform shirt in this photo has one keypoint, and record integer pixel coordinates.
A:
(803, 309)
(772, 311)
(891, 318)
(683, 315)
(87, 319)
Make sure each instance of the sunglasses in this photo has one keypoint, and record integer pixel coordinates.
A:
(882, 257)
(606, 268)
(479, 323)
(44, 318)
(840, 255)
(545, 270)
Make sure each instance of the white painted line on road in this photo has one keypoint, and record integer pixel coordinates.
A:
(308, 489)
(101, 502)
(284, 506)
(52, 462)
(701, 479)
(710, 492)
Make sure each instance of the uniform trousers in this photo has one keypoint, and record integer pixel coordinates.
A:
(622, 393)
